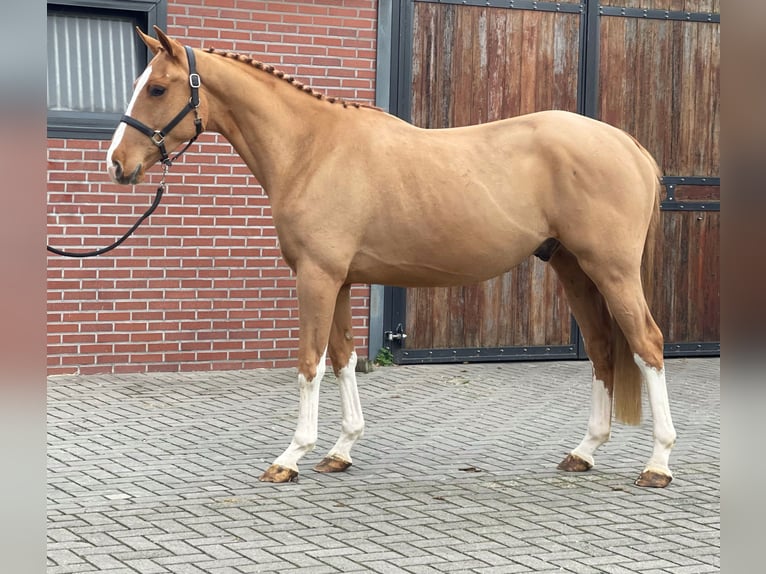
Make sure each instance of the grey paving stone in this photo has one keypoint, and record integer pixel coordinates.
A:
(157, 473)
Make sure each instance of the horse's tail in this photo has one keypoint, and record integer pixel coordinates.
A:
(627, 377)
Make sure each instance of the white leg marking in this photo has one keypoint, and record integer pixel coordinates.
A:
(664, 432)
(120, 131)
(599, 424)
(352, 425)
(305, 436)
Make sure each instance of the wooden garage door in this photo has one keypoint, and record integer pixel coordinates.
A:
(647, 66)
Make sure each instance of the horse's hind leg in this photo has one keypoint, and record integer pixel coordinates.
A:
(343, 359)
(592, 315)
(621, 287)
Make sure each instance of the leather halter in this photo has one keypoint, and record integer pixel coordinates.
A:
(158, 136)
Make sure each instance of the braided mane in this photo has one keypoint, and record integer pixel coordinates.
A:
(288, 78)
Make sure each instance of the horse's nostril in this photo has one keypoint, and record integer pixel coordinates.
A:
(134, 176)
(117, 166)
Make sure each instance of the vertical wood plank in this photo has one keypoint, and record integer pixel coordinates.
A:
(710, 278)
(528, 62)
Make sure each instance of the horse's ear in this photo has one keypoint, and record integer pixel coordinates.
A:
(171, 46)
(150, 42)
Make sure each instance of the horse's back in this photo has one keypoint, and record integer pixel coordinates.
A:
(529, 159)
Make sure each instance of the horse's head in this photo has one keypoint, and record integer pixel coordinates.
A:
(165, 110)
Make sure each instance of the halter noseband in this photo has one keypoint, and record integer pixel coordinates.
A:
(158, 136)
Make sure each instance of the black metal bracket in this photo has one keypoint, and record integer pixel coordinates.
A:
(579, 8)
(677, 15)
(693, 349)
(672, 204)
(567, 7)
(534, 353)
(486, 354)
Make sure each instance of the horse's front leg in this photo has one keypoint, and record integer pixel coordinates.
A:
(316, 301)
(343, 360)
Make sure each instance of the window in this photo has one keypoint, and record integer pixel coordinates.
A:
(94, 55)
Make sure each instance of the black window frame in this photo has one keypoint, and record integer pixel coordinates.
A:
(101, 125)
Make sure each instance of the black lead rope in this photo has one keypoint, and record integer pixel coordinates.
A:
(155, 203)
(158, 138)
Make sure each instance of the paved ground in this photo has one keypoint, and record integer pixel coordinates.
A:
(456, 473)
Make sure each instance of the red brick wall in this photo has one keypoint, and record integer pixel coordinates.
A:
(201, 285)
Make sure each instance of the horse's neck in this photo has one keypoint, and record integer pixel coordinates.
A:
(267, 120)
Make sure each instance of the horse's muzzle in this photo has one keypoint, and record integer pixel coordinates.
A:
(118, 175)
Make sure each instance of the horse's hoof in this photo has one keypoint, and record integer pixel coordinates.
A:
(332, 464)
(279, 473)
(573, 463)
(653, 479)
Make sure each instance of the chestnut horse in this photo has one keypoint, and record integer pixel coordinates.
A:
(467, 204)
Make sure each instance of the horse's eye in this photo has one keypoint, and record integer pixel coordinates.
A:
(156, 91)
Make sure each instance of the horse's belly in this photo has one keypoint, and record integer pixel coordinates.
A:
(437, 264)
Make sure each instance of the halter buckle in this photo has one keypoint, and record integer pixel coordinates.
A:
(158, 138)
(194, 80)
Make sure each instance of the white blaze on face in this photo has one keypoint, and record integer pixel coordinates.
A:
(120, 131)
